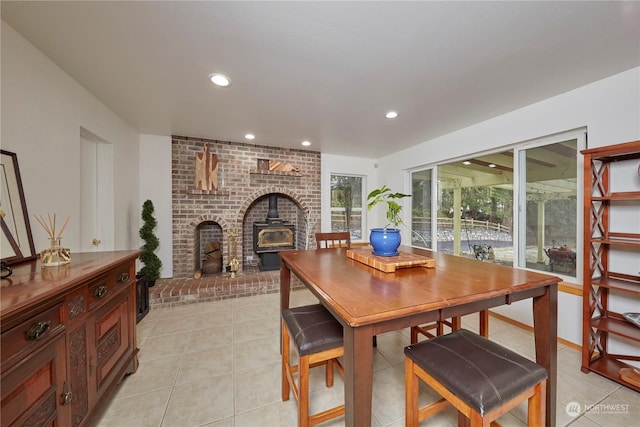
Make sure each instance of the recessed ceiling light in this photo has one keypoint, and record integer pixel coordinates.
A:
(491, 165)
(391, 115)
(466, 163)
(220, 80)
(306, 143)
(250, 136)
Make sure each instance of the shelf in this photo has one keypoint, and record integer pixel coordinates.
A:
(610, 367)
(618, 327)
(616, 152)
(625, 195)
(618, 241)
(617, 235)
(618, 284)
(279, 173)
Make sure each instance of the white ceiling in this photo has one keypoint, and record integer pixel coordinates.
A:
(328, 71)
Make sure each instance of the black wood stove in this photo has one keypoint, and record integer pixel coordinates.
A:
(272, 236)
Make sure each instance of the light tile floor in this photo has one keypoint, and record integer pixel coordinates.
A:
(218, 364)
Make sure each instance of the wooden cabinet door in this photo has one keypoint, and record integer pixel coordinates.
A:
(34, 391)
(113, 323)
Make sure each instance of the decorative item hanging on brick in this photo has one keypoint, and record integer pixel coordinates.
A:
(282, 166)
(206, 170)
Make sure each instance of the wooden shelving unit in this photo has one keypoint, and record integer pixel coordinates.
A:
(601, 323)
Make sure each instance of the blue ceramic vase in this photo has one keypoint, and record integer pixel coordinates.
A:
(385, 241)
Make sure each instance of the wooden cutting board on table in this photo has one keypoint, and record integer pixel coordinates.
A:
(389, 264)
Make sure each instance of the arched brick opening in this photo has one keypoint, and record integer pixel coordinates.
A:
(192, 240)
(269, 190)
(246, 216)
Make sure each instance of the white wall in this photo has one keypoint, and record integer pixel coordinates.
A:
(43, 110)
(332, 164)
(155, 185)
(609, 109)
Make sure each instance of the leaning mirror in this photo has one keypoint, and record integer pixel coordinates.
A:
(17, 241)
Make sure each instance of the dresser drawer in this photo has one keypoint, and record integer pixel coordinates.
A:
(109, 284)
(33, 391)
(30, 334)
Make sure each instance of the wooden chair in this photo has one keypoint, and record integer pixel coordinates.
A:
(317, 338)
(480, 378)
(455, 323)
(340, 239)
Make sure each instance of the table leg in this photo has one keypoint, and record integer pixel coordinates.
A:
(484, 323)
(285, 290)
(545, 322)
(358, 375)
(285, 285)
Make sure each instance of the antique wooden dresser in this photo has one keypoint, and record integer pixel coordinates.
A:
(68, 337)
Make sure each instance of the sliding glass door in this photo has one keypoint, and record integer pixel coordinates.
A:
(475, 215)
(549, 210)
(518, 206)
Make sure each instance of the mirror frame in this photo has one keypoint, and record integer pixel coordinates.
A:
(16, 237)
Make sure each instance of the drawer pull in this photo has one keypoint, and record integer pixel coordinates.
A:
(66, 395)
(123, 277)
(38, 330)
(100, 292)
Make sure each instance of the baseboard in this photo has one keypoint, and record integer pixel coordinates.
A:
(570, 288)
(530, 329)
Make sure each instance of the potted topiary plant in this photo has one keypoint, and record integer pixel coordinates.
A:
(385, 241)
(151, 262)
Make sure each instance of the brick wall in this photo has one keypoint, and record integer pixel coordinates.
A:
(240, 199)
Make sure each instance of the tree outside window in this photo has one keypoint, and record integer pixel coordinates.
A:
(346, 204)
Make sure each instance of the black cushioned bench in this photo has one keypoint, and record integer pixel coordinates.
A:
(479, 377)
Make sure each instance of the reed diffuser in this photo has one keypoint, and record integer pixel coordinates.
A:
(55, 255)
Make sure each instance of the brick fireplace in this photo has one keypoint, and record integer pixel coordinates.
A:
(242, 198)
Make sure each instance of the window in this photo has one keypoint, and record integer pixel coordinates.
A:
(475, 207)
(549, 212)
(421, 223)
(346, 204)
(476, 197)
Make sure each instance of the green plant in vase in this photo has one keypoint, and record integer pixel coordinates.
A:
(386, 240)
(151, 262)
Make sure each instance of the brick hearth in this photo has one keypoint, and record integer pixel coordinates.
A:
(173, 292)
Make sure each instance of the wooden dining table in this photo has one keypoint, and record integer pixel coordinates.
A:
(368, 302)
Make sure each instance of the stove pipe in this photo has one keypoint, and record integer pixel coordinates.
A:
(272, 213)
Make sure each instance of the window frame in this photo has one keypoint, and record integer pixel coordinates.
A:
(579, 134)
(519, 195)
(408, 217)
(363, 208)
